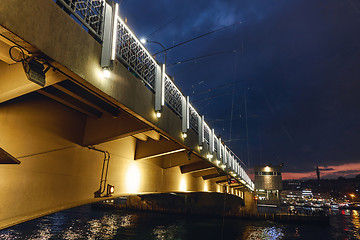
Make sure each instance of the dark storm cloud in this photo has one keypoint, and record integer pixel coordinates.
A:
(326, 169)
(296, 68)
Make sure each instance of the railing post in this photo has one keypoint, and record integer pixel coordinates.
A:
(106, 52)
(219, 155)
(223, 160)
(228, 162)
(114, 31)
(201, 131)
(185, 115)
(211, 140)
(159, 89)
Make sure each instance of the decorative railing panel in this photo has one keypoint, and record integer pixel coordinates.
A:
(194, 119)
(173, 96)
(207, 133)
(130, 50)
(88, 12)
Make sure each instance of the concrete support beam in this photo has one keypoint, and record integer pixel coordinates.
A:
(14, 82)
(179, 159)
(196, 167)
(215, 177)
(141, 136)
(205, 172)
(222, 181)
(152, 148)
(70, 101)
(7, 158)
(153, 135)
(108, 128)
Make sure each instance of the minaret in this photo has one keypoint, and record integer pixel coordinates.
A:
(318, 173)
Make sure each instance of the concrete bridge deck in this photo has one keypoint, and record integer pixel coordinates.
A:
(46, 130)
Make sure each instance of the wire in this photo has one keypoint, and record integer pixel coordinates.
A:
(14, 43)
(201, 57)
(211, 89)
(233, 96)
(161, 27)
(200, 36)
(22, 58)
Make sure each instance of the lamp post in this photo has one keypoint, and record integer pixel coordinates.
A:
(143, 41)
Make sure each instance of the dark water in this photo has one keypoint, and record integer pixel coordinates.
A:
(87, 223)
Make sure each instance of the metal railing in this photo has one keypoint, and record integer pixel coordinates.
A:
(216, 140)
(207, 133)
(173, 96)
(88, 12)
(194, 119)
(130, 51)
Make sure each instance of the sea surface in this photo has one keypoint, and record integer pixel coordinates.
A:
(88, 223)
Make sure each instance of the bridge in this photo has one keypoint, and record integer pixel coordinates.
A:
(86, 113)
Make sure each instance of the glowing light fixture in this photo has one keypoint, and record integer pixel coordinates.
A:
(143, 40)
(158, 114)
(106, 72)
(113, 49)
(209, 156)
(110, 190)
(267, 169)
(184, 134)
(200, 147)
(35, 72)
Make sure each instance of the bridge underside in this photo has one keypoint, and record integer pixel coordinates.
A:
(57, 171)
(45, 163)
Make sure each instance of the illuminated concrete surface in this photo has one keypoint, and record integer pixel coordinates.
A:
(48, 129)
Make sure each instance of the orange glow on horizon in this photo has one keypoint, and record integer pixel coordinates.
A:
(337, 171)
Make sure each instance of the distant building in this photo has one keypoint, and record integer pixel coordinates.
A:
(268, 184)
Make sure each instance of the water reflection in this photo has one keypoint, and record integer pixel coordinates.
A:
(356, 223)
(166, 232)
(271, 233)
(346, 225)
(87, 223)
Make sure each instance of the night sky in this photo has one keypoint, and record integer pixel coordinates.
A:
(291, 68)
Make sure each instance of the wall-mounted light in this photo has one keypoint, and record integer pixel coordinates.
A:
(200, 147)
(158, 114)
(184, 135)
(209, 156)
(109, 190)
(106, 72)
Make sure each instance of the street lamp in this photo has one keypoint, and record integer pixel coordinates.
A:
(144, 41)
(352, 196)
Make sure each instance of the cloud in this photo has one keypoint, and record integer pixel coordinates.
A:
(344, 170)
(326, 169)
(348, 172)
